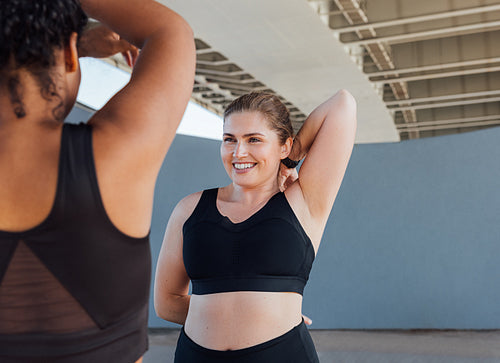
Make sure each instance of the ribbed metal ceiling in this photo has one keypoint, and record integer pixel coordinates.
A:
(436, 63)
(218, 81)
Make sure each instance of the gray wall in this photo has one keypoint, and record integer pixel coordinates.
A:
(413, 240)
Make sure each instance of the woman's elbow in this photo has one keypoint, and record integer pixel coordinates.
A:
(160, 309)
(346, 98)
(182, 26)
(171, 307)
(343, 106)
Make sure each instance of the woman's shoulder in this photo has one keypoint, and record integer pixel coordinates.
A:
(190, 200)
(186, 206)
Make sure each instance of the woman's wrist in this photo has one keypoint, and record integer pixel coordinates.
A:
(295, 156)
(296, 153)
(289, 163)
(83, 41)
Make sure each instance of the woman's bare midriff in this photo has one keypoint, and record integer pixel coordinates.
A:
(237, 320)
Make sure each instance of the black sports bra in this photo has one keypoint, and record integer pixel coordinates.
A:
(269, 251)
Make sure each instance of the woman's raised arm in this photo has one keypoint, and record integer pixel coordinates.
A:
(133, 131)
(325, 140)
(140, 121)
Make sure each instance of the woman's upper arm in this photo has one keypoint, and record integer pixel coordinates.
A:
(171, 276)
(324, 166)
(141, 119)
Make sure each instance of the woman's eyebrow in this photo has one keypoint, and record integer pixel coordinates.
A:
(246, 135)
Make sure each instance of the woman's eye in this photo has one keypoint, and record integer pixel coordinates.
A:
(228, 139)
(254, 139)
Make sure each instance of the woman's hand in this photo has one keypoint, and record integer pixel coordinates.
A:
(102, 42)
(307, 320)
(286, 177)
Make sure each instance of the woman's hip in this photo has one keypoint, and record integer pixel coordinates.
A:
(295, 345)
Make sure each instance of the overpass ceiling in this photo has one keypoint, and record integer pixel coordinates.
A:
(417, 68)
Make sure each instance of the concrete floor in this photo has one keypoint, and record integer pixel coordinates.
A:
(375, 346)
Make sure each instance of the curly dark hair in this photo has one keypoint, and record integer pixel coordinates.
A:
(31, 29)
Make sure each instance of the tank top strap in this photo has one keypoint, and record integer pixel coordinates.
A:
(207, 204)
(209, 197)
(205, 210)
(77, 181)
(76, 147)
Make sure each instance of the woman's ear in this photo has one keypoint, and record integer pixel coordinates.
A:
(286, 148)
(71, 53)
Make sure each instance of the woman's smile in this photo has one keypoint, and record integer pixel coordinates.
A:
(243, 167)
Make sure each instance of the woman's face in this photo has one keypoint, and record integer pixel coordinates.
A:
(250, 149)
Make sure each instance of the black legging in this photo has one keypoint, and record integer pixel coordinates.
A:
(294, 346)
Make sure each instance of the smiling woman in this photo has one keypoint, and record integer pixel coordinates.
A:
(248, 247)
(257, 135)
(251, 150)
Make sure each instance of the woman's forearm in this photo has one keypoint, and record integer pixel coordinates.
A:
(173, 308)
(136, 20)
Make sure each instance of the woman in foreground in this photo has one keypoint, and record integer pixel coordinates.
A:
(248, 247)
(76, 200)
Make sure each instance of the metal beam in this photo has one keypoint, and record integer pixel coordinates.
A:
(225, 86)
(205, 50)
(212, 98)
(433, 67)
(237, 84)
(449, 121)
(209, 106)
(417, 19)
(438, 75)
(436, 33)
(333, 12)
(214, 63)
(453, 126)
(442, 98)
(446, 104)
(231, 80)
(203, 71)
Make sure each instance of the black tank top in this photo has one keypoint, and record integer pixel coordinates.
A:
(269, 251)
(74, 288)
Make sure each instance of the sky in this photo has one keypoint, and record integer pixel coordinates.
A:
(100, 81)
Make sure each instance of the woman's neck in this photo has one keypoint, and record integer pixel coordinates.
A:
(27, 100)
(251, 195)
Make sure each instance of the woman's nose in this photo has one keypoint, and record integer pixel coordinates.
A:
(239, 150)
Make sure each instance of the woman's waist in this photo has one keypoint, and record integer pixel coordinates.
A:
(94, 341)
(238, 320)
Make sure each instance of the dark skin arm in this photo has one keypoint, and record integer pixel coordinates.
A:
(133, 131)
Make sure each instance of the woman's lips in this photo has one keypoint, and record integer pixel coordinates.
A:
(242, 167)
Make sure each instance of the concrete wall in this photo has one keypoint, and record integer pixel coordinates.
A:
(413, 240)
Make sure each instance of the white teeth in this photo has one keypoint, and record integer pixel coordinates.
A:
(243, 166)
